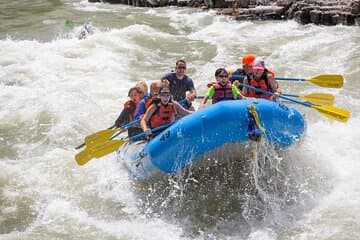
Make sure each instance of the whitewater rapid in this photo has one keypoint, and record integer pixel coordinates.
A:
(55, 89)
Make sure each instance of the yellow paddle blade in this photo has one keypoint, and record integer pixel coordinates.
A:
(83, 157)
(99, 137)
(98, 151)
(319, 98)
(334, 113)
(327, 80)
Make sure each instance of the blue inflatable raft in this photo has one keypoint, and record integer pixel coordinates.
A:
(189, 138)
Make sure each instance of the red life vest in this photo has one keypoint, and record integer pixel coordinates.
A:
(222, 92)
(162, 115)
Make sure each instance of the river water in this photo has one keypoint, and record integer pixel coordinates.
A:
(55, 89)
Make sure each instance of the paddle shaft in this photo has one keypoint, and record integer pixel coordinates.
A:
(152, 130)
(331, 112)
(273, 94)
(276, 78)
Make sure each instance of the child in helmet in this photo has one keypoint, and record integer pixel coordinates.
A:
(160, 113)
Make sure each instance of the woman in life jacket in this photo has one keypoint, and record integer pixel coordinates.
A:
(222, 89)
(262, 79)
(128, 113)
(162, 112)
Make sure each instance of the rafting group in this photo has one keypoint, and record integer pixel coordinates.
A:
(147, 114)
(171, 97)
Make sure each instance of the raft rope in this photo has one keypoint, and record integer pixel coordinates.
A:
(256, 132)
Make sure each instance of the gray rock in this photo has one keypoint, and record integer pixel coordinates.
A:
(321, 12)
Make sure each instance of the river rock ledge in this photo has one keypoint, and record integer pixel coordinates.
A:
(320, 12)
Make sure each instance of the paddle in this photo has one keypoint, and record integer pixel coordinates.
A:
(95, 136)
(109, 146)
(323, 80)
(315, 98)
(103, 135)
(331, 112)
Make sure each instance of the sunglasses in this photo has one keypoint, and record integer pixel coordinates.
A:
(181, 67)
(223, 76)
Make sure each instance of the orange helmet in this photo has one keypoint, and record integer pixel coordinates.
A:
(248, 59)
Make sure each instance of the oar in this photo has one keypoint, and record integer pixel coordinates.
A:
(331, 112)
(315, 98)
(109, 146)
(323, 80)
(103, 135)
(95, 136)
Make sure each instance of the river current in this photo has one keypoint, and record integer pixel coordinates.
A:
(56, 88)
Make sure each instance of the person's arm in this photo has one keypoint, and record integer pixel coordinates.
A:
(210, 94)
(166, 79)
(180, 109)
(191, 96)
(274, 85)
(141, 109)
(144, 121)
(236, 93)
(191, 88)
(203, 102)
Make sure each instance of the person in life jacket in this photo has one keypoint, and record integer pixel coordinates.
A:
(246, 70)
(161, 113)
(259, 61)
(148, 100)
(222, 90)
(128, 113)
(263, 80)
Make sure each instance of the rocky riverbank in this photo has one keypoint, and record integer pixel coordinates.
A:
(320, 12)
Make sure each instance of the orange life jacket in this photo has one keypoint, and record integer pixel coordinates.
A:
(148, 102)
(263, 85)
(163, 114)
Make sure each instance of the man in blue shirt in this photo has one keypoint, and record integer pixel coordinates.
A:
(180, 83)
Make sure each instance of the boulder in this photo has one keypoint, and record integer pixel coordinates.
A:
(321, 12)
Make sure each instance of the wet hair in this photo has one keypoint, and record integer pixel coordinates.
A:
(137, 89)
(220, 71)
(143, 86)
